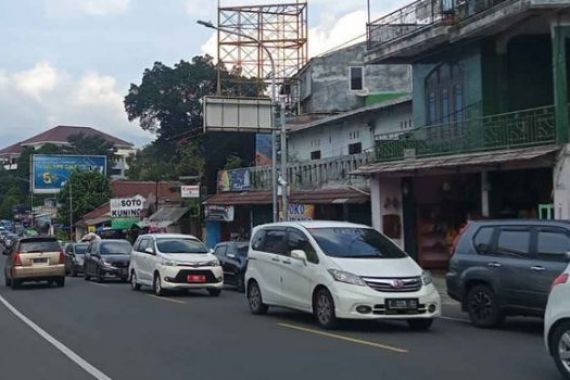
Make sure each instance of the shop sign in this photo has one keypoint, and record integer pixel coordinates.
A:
(127, 207)
(236, 180)
(215, 213)
(299, 212)
(91, 229)
(124, 223)
(191, 191)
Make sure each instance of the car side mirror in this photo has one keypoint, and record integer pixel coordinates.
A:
(231, 256)
(567, 256)
(211, 251)
(299, 254)
(149, 250)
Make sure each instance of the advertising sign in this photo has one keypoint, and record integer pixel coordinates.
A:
(216, 213)
(127, 207)
(235, 180)
(298, 212)
(223, 114)
(192, 191)
(50, 171)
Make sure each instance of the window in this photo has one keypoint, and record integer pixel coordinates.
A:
(275, 242)
(80, 249)
(444, 94)
(355, 148)
(143, 245)
(180, 246)
(356, 78)
(316, 155)
(39, 245)
(482, 239)
(221, 250)
(115, 248)
(553, 243)
(298, 240)
(258, 240)
(513, 242)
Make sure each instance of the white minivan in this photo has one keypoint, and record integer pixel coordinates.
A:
(174, 262)
(337, 270)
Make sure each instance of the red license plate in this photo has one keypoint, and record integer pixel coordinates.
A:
(196, 278)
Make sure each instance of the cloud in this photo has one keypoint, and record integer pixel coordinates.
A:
(67, 8)
(42, 97)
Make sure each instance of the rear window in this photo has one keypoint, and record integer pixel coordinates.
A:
(47, 245)
(242, 250)
(115, 248)
(80, 249)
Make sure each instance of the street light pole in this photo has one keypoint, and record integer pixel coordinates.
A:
(273, 124)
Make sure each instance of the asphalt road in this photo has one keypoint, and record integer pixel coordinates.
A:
(133, 335)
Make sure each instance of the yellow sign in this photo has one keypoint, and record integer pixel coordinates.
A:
(91, 229)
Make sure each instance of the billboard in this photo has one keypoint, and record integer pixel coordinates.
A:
(235, 180)
(190, 191)
(51, 171)
(237, 114)
(127, 207)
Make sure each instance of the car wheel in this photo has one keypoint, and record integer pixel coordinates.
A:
(134, 284)
(215, 292)
(255, 300)
(15, 283)
(7, 281)
(324, 309)
(157, 286)
(482, 307)
(100, 277)
(560, 348)
(420, 324)
(60, 282)
(240, 283)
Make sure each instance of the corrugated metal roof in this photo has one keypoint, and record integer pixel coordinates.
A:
(460, 160)
(168, 215)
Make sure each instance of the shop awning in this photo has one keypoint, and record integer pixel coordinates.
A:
(166, 216)
(483, 160)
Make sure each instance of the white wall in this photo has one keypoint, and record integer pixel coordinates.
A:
(562, 184)
(386, 199)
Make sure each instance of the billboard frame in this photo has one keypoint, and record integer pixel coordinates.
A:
(255, 113)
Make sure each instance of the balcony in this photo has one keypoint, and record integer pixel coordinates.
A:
(525, 128)
(306, 175)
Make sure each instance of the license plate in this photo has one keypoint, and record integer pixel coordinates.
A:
(196, 278)
(40, 261)
(402, 304)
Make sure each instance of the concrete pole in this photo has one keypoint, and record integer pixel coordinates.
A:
(71, 211)
(284, 176)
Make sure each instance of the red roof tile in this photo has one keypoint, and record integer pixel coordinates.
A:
(167, 191)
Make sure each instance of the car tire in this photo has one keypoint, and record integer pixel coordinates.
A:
(100, 277)
(60, 282)
(482, 307)
(7, 281)
(157, 286)
(15, 284)
(215, 292)
(240, 285)
(86, 276)
(560, 343)
(324, 309)
(255, 299)
(423, 324)
(134, 284)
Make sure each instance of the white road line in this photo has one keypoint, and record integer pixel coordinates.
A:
(98, 284)
(57, 344)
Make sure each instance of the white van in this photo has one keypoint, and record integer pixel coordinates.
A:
(337, 270)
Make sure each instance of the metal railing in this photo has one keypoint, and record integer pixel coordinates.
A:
(421, 14)
(313, 174)
(523, 128)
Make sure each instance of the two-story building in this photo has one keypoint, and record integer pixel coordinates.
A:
(338, 103)
(490, 112)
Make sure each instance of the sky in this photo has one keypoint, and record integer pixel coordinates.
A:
(71, 62)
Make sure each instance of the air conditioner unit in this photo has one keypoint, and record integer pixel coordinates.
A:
(362, 93)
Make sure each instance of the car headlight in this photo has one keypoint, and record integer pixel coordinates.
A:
(426, 278)
(212, 263)
(346, 277)
(168, 263)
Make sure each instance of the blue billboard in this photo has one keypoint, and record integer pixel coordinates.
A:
(50, 171)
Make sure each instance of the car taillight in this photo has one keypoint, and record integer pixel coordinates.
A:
(17, 260)
(562, 279)
(61, 258)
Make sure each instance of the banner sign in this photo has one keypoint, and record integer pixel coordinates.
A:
(50, 172)
(192, 191)
(216, 213)
(298, 212)
(235, 180)
(223, 114)
(127, 207)
(124, 223)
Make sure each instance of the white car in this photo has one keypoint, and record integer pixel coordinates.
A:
(557, 323)
(337, 271)
(171, 261)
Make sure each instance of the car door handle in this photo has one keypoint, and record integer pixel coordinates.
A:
(286, 261)
(537, 269)
(494, 265)
(276, 259)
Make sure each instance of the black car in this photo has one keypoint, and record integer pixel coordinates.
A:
(506, 267)
(75, 258)
(233, 258)
(107, 259)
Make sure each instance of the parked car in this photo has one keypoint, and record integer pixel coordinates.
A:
(74, 258)
(233, 258)
(107, 259)
(35, 259)
(335, 271)
(557, 323)
(171, 261)
(506, 267)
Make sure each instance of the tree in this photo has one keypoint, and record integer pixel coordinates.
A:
(92, 146)
(89, 190)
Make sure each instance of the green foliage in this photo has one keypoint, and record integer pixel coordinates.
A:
(89, 190)
(233, 162)
(91, 145)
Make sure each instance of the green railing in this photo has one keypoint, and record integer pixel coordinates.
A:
(523, 128)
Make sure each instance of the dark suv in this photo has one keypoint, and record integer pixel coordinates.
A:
(506, 267)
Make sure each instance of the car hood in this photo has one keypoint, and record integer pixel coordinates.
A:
(189, 258)
(116, 258)
(404, 267)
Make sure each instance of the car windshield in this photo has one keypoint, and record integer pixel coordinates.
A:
(115, 248)
(39, 245)
(177, 245)
(80, 249)
(242, 250)
(355, 242)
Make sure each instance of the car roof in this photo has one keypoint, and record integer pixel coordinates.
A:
(113, 240)
(520, 222)
(315, 224)
(170, 236)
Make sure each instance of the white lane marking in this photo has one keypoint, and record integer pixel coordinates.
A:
(98, 284)
(455, 319)
(57, 344)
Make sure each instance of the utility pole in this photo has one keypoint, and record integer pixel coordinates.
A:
(71, 210)
(284, 176)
